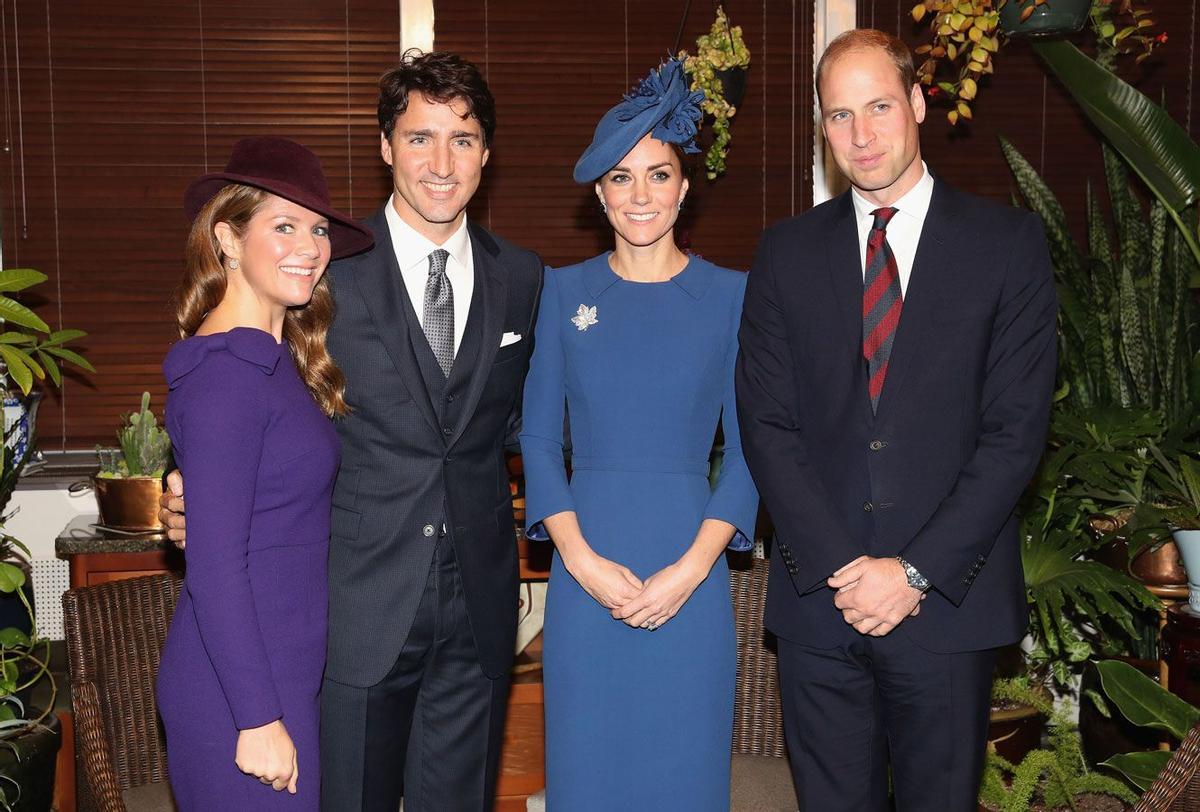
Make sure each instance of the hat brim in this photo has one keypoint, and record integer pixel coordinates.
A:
(606, 151)
(346, 236)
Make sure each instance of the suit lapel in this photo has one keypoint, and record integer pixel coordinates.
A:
(845, 269)
(931, 266)
(378, 277)
(492, 288)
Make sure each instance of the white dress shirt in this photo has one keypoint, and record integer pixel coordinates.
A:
(412, 255)
(904, 230)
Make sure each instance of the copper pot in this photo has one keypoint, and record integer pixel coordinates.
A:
(128, 503)
(1154, 566)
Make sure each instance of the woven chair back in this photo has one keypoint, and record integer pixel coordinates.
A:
(115, 633)
(757, 716)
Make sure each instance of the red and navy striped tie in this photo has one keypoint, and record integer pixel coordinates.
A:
(882, 301)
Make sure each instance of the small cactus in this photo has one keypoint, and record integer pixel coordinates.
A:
(144, 446)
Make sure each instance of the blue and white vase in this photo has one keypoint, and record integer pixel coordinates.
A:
(1188, 542)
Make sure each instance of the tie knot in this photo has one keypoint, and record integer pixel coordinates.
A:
(882, 217)
(437, 261)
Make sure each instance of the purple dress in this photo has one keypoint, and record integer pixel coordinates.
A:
(247, 643)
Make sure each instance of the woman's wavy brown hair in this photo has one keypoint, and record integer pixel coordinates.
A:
(203, 288)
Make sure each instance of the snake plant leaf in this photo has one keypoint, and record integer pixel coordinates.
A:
(18, 369)
(1140, 768)
(18, 313)
(1126, 210)
(1160, 150)
(1041, 200)
(1143, 701)
(20, 278)
(71, 356)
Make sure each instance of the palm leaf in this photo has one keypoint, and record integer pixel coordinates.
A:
(18, 369)
(63, 336)
(18, 313)
(51, 367)
(71, 356)
(14, 279)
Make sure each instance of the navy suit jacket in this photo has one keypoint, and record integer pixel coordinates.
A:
(412, 461)
(936, 473)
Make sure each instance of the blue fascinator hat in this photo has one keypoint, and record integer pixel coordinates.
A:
(662, 104)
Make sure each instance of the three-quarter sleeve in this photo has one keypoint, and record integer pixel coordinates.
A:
(546, 489)
(734, 499)
(222, 423)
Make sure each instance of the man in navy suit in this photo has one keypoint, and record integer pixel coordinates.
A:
(894, 383)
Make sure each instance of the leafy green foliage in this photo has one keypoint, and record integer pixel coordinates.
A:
(721, 49)
(1127, 320)
(1147, 704)
(1055, 776)
(26, 355)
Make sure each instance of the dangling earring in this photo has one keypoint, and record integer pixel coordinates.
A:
(681, 205)
(603, 207)
(234, 264)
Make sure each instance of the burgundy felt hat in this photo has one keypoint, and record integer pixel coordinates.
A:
(287, 169)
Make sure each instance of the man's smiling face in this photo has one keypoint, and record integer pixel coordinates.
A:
(437, 153)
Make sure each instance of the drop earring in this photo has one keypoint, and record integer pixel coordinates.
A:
(603, 207)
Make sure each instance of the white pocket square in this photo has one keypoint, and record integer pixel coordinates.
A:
(509, 338)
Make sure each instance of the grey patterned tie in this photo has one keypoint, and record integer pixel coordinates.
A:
(439, 311)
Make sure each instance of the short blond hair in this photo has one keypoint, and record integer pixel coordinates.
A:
(863, 39)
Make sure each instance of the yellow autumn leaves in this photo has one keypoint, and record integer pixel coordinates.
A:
(964, 34)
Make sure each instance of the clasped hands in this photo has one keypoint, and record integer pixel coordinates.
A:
(641, 604)
(873, 595)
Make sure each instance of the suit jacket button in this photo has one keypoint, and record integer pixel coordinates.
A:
(876, 445)
(428, 530)
(868, 507)
(447, 431)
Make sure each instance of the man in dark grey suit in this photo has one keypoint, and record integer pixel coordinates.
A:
(433, 332)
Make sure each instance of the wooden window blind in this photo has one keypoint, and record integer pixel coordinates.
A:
(112, 107)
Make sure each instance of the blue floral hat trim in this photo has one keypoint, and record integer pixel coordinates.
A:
(663, 105)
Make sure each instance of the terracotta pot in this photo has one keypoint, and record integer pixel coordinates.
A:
(1015, 731)
(1160, 566)
(128, 503)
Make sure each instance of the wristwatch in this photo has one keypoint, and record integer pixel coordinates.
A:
(915, 579)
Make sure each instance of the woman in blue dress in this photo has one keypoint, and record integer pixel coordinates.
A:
(637, 346)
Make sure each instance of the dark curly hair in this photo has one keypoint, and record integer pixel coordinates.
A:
(440, 77)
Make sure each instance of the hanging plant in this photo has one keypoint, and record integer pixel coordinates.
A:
(718, 68)
(967, 34)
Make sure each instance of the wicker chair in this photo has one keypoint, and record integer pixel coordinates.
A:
(1177, 788)
(115, 633)
(761, 779)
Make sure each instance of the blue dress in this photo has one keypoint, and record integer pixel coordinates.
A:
(637, 720)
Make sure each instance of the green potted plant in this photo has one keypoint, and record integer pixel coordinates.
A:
(719, 69)
(966, 35)
(1055, 777)
(30, 737)
(1147, 704)
(129, 482)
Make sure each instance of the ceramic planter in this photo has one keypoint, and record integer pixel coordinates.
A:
(1188, 542)
(1055, 18)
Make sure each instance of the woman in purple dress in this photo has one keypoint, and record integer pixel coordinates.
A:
(252, 388)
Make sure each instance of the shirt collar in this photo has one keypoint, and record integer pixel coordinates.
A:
(412, 247)
(914, 203)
